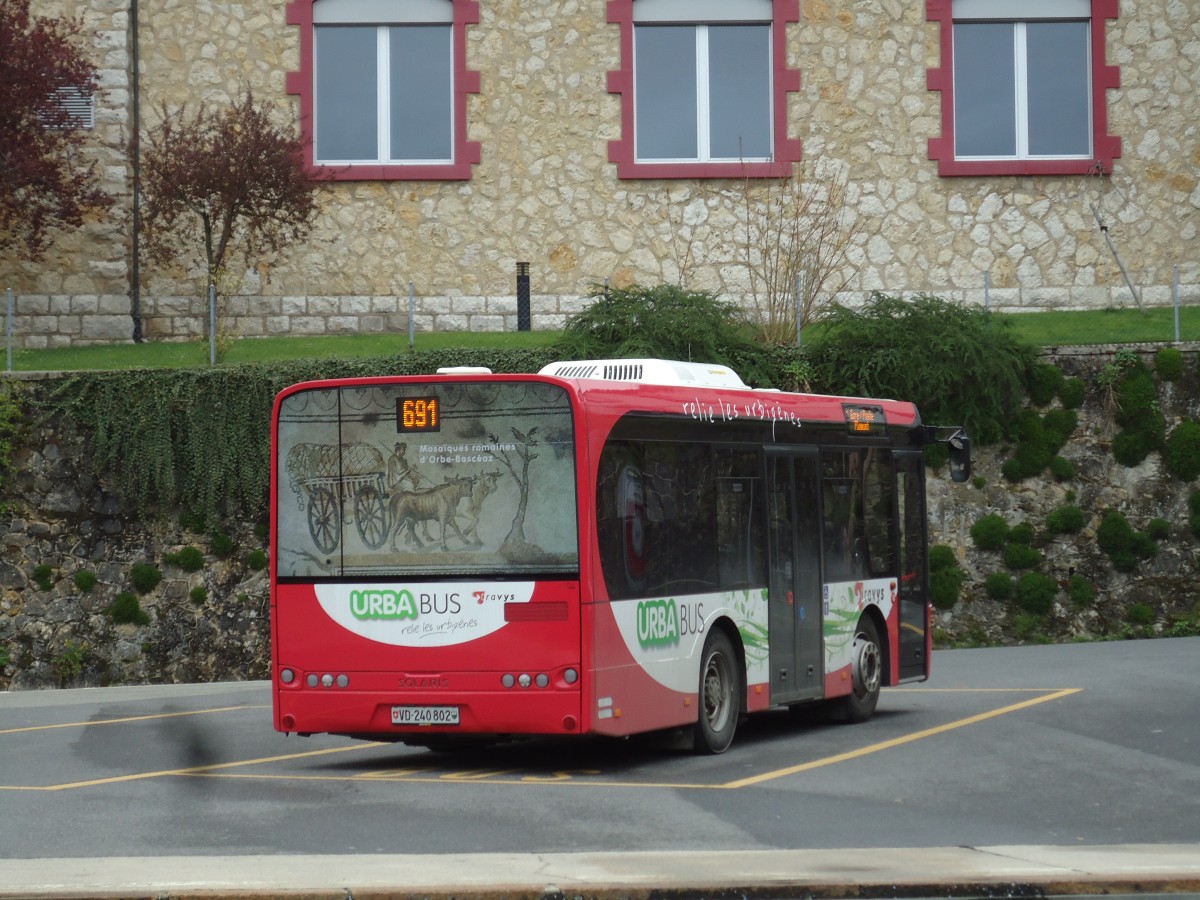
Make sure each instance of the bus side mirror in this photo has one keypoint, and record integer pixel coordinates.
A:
(960, 457)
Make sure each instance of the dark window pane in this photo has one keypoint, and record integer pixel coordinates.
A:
(665, 91)
(1059, 89)
(739, 65)
(346, 94)
(985, 104)
(420, 88)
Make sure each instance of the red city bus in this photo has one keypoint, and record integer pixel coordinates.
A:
(604, 548)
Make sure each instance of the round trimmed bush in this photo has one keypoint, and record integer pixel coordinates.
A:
(1168, 362)
(84, 580)
(1080, 590)
(190, 559)
(1062, 469)
(1140, 615)
(1043, 382)
(999, 585)
(1072, 393)
(144, 577)
(1021, 534)
(1035, 593)
(1021, 556)
(126, 609)
(1130, 448)
(1158, 529)
(990, 532)
(1181, 453)
(1065, 520)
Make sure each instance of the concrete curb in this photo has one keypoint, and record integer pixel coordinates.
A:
(1013, 871)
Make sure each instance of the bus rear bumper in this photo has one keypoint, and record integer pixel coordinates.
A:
(393, 717)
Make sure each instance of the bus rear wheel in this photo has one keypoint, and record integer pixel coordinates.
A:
(866, 674)
(720, 694)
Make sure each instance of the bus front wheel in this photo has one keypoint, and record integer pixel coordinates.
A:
(720, 699)
(866, 672)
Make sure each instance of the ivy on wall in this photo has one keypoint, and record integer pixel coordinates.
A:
(199, 439)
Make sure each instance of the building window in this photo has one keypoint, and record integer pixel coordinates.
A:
(1023, 86)
(704, 87)
(383, 87)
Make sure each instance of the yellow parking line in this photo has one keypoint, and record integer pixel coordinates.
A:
(170, 715)
(897, 742)
(195, 770)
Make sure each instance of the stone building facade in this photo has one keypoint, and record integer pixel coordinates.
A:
(544, 166)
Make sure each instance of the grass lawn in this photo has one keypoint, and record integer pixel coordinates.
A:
(1042, 329)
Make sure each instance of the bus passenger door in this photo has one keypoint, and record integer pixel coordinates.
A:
(913, 589)
(794, 595)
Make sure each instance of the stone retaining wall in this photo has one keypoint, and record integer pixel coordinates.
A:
(59, 515)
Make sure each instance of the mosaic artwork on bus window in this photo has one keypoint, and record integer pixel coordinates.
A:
(473, 478)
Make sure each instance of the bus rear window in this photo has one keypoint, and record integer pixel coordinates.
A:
(473, 478)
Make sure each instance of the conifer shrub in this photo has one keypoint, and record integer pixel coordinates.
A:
(84, 580)
(126, 610)
(1021, 556)
(1081, 591)
(145, 577)
(1168, 362)
(1124, 546)
(1043, 381)
(221, 543)
(198, 594)
(665, 321)
(1181, 453)
(256, 560)
(990, 532)
(1194, 509)
(43, 576)
(999, 585)
(1137, 413)
(1036, 592)
(1062, 469)
(1072, 393)
(945, 577)
(1140, 615)
(1065, 520)
(1158, 529)
(919, 348)
(189, 558)
(1021, 533)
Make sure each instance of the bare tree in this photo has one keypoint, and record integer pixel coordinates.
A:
(45, 184)
(227, 180)
(797, 234)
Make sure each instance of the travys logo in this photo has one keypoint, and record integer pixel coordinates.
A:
(660, 623)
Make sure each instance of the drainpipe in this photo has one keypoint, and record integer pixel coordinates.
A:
(135, 296)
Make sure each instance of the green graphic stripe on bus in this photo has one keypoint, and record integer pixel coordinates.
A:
(665, 634)
(383, 605)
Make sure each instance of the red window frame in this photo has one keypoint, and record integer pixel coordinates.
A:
(1105, 147)
(466, 81)
(623, 151)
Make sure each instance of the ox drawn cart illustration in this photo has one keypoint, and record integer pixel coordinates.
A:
(328, 478)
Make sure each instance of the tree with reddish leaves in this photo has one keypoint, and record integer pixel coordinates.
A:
(227, 180)
(45, 183)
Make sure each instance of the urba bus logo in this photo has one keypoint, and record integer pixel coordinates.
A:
(660, 623)
(383, 604)
(402, 604)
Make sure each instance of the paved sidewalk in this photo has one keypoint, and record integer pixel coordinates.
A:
(944, 872)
